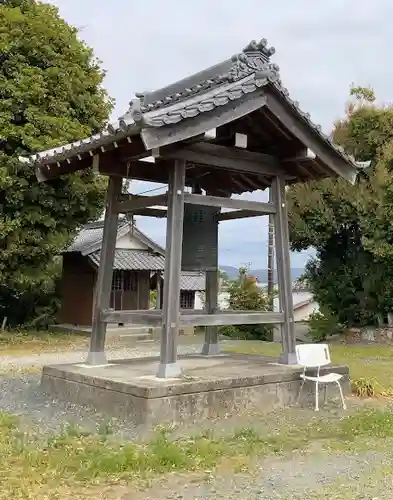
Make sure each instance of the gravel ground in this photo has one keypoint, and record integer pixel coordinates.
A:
(21, 395)
(45, 358)
(307, 476)
(296, 478)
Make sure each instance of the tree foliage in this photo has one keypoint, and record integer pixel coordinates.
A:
(245, 295)
(350, 226)
(50, 94)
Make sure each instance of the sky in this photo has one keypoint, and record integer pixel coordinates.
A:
(321, 47)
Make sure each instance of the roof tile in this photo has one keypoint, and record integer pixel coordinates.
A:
(134, 260)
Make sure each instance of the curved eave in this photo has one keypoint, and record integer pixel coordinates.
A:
(113, 133)
(202, 108)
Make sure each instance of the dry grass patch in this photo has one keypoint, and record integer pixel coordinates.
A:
(19, 343)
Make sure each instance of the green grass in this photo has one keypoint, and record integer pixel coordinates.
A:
(32, 469)
(369, 366)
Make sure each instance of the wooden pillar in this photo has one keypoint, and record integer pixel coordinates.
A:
(158, 290)
(103, 288)
(288, 354)
(211, 345)
(171, 305)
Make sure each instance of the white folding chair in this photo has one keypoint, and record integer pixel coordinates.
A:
(315, 356)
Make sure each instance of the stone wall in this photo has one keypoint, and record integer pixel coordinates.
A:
(370, 334)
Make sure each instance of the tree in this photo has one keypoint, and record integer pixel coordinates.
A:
(244, 294)
(351, 226)
(223, 276)
(50, 94)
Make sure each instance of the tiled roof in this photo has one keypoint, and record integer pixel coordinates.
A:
(134, 260)
(141, 260)
(91, 234)
(193, 281)
(89, 238)
(209, 89)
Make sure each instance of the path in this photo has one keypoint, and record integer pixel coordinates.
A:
(299, 477)
(137, 350)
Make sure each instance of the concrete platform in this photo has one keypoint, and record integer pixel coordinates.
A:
(210, 387)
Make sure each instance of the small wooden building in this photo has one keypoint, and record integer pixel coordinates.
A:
(137, 264)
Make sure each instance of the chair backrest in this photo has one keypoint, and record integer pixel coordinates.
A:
(313, 355)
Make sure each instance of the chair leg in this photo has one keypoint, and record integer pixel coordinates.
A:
(325, 394)
(300, 391)
(316, 396)
(342, 395)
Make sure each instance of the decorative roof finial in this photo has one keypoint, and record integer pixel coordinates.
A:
(260, 47)
(255, 58)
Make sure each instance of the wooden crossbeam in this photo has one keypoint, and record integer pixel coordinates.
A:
(138, 317)
(193, 318)
(159, 213)
(238, 214)
(218, 201)
(137, 202)
(231, 318)
(228, 158)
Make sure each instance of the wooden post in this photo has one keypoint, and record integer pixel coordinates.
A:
(158, 290)
(103, 288)
(211, 345)
(288, 354)
(171, 306)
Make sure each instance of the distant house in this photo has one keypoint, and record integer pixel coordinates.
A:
(303, 305)
(137, 264)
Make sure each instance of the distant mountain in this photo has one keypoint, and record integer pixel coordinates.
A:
(261, 274)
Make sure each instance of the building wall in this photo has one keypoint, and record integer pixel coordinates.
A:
(77, 291)
(130, 243)
(303, 312)
(303, 305)
(143, 290)
(77, 285)
(132, 297)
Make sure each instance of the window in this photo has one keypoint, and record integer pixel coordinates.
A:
(124, 281)
(187, 299)
(117, 284)
(129, 281)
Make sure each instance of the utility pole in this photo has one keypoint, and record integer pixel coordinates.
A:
(270, 257)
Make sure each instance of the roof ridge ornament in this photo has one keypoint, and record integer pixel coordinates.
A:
(260, 47)
(255, 58)
(134, 115)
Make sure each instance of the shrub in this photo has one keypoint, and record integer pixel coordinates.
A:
(244, 294)
(247, 332)
(322, 325)
(364, 387)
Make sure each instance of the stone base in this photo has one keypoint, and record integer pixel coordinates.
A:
(210, 386)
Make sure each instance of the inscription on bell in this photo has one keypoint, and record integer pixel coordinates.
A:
(200, 238)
